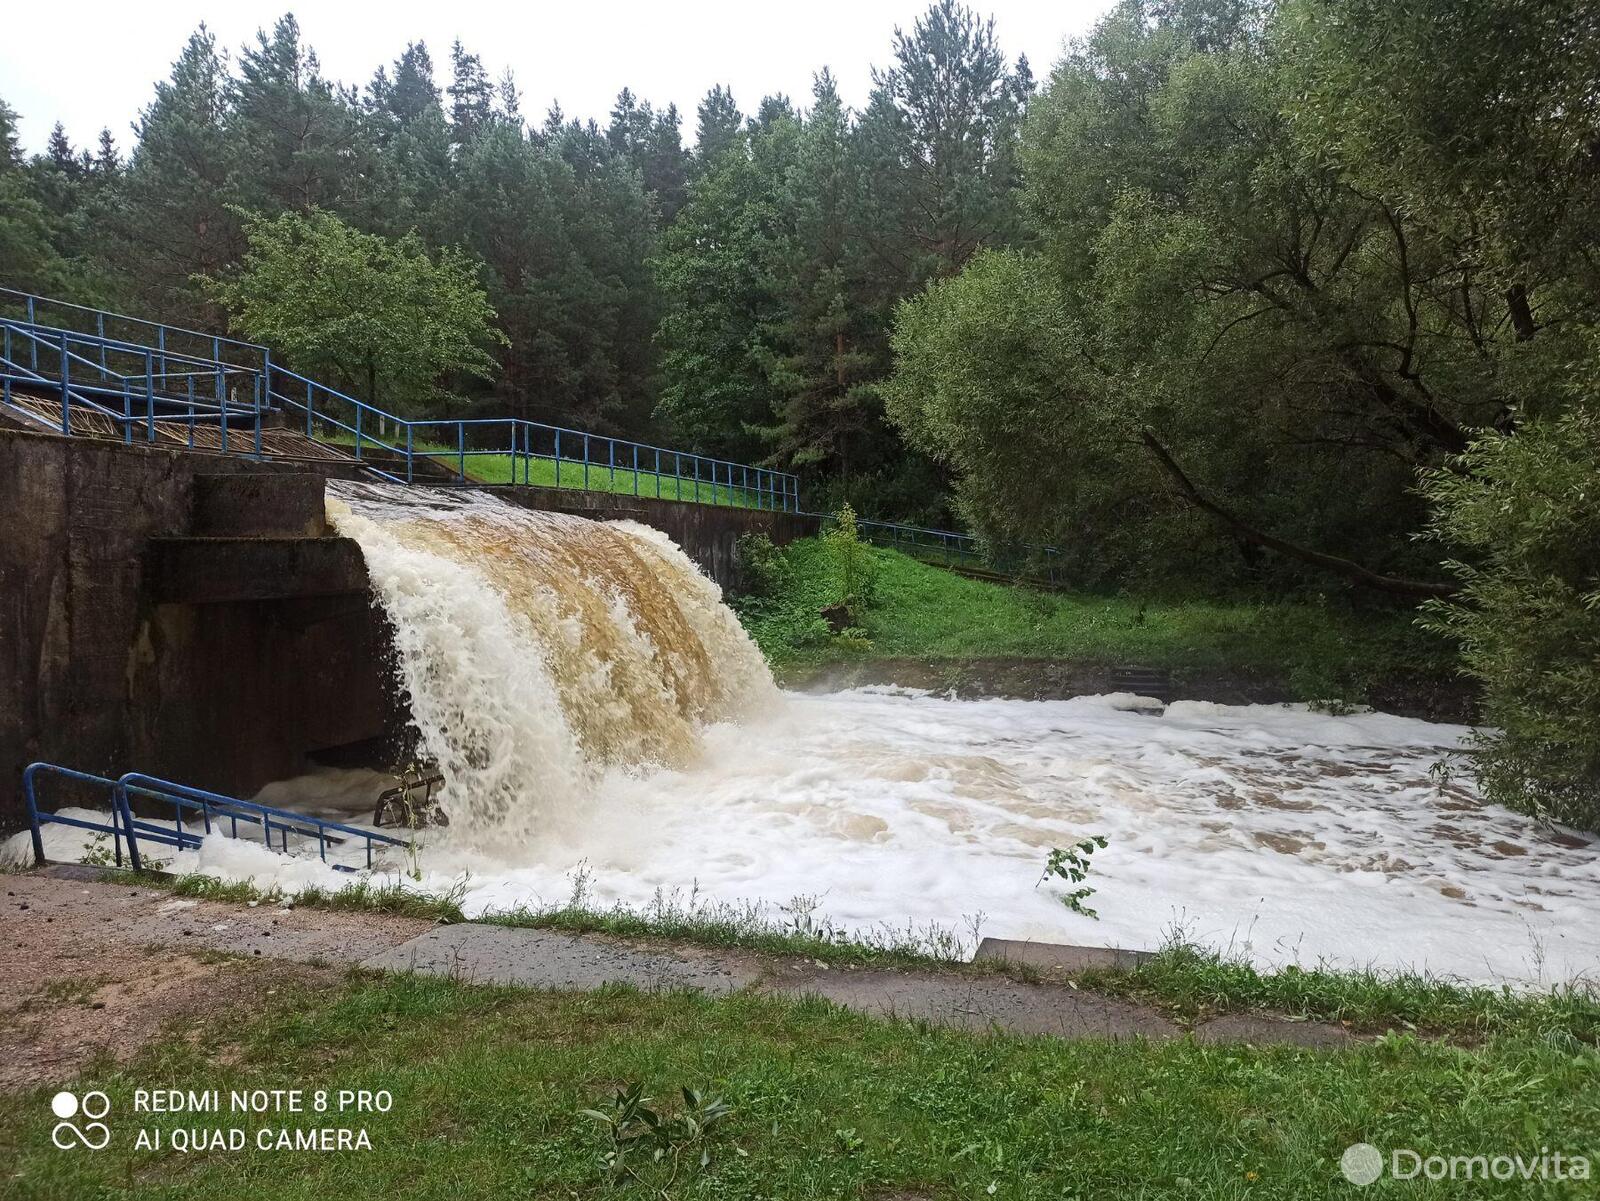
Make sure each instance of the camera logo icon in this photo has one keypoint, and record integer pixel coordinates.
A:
(92, 1134)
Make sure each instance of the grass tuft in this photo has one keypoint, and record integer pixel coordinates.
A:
(1193, 983)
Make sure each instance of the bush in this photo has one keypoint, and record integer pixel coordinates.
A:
(854, 563)
(1528, 617)
(761, 568)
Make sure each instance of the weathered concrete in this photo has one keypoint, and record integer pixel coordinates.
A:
(1059, 956)
(209, 571)
(260, 504)
(549, 959)
(176, 661)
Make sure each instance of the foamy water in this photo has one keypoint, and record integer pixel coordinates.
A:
(600, 715)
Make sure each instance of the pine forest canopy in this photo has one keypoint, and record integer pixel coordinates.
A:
(1249, 297)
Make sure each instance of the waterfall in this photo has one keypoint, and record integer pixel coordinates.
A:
(540, 650)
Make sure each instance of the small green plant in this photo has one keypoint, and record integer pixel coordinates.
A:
(98, 852)
(1072, 865)
(855, 566)
(637, 1130)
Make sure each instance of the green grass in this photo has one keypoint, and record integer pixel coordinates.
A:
(362, 894)
(922, 611)
(1189, 982)
(793, 929)
(545, 472)
(1193, 983)
(488, 1085)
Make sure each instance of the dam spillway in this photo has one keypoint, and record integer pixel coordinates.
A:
(537, 650)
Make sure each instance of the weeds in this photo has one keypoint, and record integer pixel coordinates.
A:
(635, 1127)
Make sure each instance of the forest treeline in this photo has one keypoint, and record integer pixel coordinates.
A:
(1249, 297)
(729, 286)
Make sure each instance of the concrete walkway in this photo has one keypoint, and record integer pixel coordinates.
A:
(55, 927)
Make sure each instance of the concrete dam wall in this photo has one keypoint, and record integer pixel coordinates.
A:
(195, 617)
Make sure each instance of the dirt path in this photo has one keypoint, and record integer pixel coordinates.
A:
(90, 968)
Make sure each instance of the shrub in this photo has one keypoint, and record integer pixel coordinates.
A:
(1527, 507)
(855, 565)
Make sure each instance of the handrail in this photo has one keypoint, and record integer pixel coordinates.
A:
(38, 820)
(577, 455)
(756, 487)
(43, 334)
(32, 301)
(962, 545)
(211, 806)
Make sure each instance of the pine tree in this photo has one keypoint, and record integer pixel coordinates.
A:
(942, 125)
(652, 143)
(471, 97)
(719, 127)
(826, 419)
(412, 175)
(175, 219)
(295, 136)
(28, 258)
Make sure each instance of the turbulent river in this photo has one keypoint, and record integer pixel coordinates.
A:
(605, 726)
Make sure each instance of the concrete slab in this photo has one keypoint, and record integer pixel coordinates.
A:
(548, 959)
(983, 1003)
(1061, 956)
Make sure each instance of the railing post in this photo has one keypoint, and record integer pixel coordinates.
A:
(100, 332)
(586, 462)
(358, 432)
(558, 457)
(410, 455)
(461, 450)
(310, 407)
(33, 343)
(222, 408)
(635, 446)
(127, 412)
(259, 384)
(149, 397)
(66, 384)
(120, 803)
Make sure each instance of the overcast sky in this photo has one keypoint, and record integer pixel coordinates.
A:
(93, 64)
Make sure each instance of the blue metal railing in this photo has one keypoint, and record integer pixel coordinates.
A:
(162, 338)
(564, 458)
(132, 386)
(128, 381)
(213, 810)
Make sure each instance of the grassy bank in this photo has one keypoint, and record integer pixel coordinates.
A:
(489, 1086)
(918, 610)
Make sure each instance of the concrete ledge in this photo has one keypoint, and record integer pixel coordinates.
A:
(199, 571)
(284, 504)
(1060, 956)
